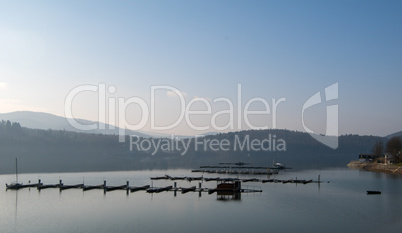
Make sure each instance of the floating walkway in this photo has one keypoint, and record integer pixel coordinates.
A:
(183, 190)
(245, 167)
(128, 188)
(237, 172)
(241, 169)
(208, 179)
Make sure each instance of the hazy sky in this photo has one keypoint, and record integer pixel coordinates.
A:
(274, 49)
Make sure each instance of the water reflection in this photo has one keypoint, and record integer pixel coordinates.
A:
(16, 205)
(228, 196)
(339, 206)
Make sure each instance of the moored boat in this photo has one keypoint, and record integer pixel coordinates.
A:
(135, 189)
(373, 192)
(15, 185)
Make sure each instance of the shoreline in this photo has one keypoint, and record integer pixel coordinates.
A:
(375, 167)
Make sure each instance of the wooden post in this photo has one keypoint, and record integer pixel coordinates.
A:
(127, 188)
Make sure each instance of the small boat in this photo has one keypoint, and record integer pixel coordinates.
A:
(229, 179)
(278, 166)
(158, 190)
(166, 177)
(64, 187)
(152, 190)
(211, 191)
(211, 179)
(373, 192)
(112, 188)
(287, 181)
(32, 185)
(250, 180)
(307, 181)
(167, 188)
(178, 178)
(15, 185)
(197, 170)
(186, 190)
(135, 189)
(46, 186)
(268, 180)
(193, 178)
(90, 187)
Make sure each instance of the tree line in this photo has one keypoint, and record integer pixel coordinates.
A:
(393, 147)
(64, 151)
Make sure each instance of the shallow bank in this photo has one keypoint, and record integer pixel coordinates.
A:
(375, 167)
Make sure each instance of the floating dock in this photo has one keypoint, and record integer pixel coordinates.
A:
(245, 167)
(208, 179)
(225, 186)
(237, 172)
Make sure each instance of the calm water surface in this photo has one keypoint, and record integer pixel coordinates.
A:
(338, 206)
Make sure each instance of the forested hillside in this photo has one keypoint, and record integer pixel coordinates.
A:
(60, 151)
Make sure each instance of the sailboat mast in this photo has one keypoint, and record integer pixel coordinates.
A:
(16, 169)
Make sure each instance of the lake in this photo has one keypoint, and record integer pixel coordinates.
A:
(341, 205)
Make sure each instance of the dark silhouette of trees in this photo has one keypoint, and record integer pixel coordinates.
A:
(394, 147)
(378, 148)
(63, 150)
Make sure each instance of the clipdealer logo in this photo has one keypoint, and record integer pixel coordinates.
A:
(118, 106)
(148, 114)
(330, 138)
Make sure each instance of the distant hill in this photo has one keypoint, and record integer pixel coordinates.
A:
(41, 120)
(64, 151)
(398, 134)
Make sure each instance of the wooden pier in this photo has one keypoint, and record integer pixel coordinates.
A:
(244, 167)
(237, 172)
(223, 188)
(208, 179)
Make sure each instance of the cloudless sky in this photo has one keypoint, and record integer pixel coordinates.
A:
(274, 49)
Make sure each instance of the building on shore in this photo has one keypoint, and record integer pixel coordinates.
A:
(385, 158)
